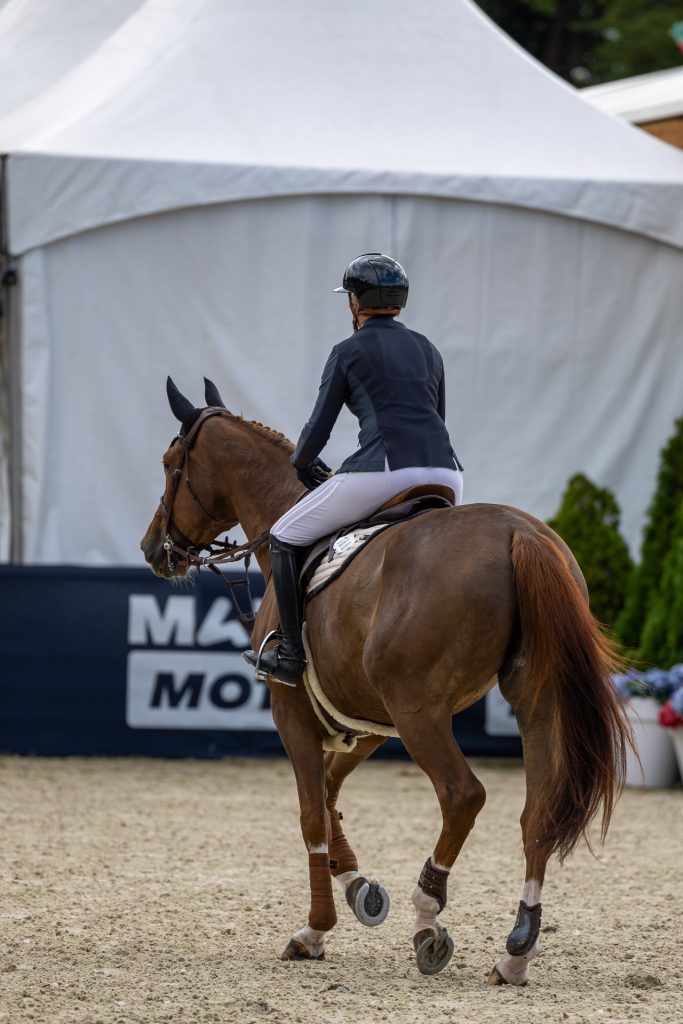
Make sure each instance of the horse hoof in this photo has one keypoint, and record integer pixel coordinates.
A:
(496, 978)
(433, 950)
(369, 901)
(297, 951)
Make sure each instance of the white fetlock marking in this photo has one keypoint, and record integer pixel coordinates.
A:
(312, 939)
(426, 908)
(515, 969)
(346, 878)
(532, 892)
(320, 848)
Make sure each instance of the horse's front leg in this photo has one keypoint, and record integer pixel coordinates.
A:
(367, 898)
(302, 736)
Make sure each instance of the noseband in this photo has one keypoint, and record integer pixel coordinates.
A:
(223, 551)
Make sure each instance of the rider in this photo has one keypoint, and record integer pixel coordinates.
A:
(392, 379)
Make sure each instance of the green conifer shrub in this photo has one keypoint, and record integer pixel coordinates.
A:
(588, 520)
(660, 521)
(662, 638)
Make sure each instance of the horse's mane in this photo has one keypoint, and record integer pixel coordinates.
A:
(260, 428)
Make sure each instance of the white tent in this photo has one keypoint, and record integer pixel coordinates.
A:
(640, 99)
(184, 199)
(42, 40)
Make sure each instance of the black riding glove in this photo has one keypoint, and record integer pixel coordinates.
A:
(313, 475)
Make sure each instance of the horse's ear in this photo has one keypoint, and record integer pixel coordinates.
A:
(212, 395)
(181, 407)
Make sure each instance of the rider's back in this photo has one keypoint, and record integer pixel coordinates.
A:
(394, 385)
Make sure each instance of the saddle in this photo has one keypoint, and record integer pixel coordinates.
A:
(407, 504)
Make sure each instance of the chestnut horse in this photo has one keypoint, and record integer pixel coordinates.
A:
(419, 626)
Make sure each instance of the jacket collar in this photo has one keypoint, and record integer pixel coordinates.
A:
(376, 320)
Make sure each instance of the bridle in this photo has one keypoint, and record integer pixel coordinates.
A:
(222, 551)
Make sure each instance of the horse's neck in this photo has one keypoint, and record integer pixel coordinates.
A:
(262, 482)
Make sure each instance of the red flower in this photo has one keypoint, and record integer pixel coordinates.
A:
(668, 717)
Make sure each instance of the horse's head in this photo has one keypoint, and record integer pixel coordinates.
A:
(193, 510)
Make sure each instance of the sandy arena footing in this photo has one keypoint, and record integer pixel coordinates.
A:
(150, 891)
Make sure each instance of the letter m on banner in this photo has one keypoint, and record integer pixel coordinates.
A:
(148, 624)
(167, 693)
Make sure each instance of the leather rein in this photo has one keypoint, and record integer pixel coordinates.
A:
(219, 552)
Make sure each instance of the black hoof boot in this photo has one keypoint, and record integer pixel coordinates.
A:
(525, 931)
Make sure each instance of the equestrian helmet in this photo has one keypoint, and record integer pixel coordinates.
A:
(377, 281)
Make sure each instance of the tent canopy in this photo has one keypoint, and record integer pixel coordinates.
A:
(543, 239)
(42, 40)
(211, 101)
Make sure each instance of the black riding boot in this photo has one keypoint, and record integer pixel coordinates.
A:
(287, 661)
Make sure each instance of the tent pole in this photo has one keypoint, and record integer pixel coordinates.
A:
(10, 363)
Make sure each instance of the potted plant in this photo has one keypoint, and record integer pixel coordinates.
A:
(645, 693)
(671, 715)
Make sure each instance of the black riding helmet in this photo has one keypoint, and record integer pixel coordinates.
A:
(377, 281)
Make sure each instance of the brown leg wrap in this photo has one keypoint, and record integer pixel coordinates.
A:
(323, 915)
(433, 882)
(340, 852)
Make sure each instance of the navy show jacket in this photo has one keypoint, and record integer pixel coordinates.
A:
(392, 379)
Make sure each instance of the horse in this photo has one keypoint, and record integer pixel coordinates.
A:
(420, 625)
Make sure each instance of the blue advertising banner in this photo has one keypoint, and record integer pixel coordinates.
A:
(118, 661)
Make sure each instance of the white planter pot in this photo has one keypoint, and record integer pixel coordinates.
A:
(655, 747)
(677, 739)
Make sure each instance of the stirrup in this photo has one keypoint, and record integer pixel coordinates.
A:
(264, 675)
(261, 674)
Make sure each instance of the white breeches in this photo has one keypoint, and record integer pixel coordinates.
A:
(346, 498)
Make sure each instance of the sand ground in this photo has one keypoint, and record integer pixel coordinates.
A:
(161, 891)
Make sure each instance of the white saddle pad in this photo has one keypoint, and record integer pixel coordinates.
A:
(345, 548)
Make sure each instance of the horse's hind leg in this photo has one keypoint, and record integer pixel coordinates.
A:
(430, 743)
(367, 898)
(523, 943)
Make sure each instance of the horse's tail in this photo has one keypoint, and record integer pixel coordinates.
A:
(564, 647)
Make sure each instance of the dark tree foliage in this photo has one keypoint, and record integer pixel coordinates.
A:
(588, 520)
(590, 41)
(635, 40)
(658, 535)
(662, 640)
(559, 33)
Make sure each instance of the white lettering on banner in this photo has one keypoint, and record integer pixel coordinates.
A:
(194, 690)
(499, 717)
(148, 624)
(217, 627)
(190, 689)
